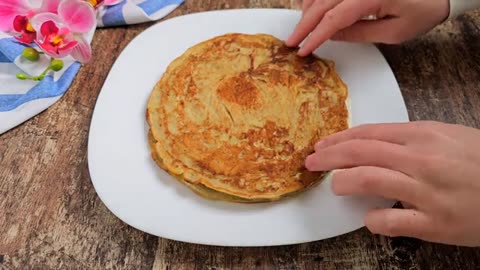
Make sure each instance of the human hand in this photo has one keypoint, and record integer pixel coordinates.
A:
(431, 166)
(397, 21)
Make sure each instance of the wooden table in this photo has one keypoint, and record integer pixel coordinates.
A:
(51, 217)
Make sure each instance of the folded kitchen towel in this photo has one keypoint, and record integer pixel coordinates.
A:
(21, 100)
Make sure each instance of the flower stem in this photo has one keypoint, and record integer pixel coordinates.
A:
(42, 75)
(55, 65)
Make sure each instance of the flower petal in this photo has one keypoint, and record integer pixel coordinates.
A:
(82, 52)
(26, 38)
(50, 6)
(69, 45)
(20, 23)
(78, 15)
(9, 9)
(64, 31)
(48, 28)
(38, 20)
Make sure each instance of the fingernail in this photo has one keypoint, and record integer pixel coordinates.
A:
(302, 51)
(289, 42)
(309, 162)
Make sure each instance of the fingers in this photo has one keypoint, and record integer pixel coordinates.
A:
(396, 133)
(373, 31)
(306, 5)
(341, 16)
(356, 153)
(400, 222)
(375, 181)
(309, 20)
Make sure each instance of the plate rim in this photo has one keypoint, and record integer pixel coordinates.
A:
(196, 241)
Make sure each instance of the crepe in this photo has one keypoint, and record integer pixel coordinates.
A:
(234, 117)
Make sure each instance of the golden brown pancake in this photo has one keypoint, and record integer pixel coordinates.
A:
(199, 188)
(234, 117)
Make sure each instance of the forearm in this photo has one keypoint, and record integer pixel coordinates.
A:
(458, 7)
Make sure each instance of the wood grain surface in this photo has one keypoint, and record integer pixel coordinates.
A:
(51, 217)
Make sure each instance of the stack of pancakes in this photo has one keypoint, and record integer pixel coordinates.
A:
(234, 117)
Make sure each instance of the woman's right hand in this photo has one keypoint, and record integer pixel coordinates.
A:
(397, 21)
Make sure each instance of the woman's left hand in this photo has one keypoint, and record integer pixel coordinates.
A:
(431, 166)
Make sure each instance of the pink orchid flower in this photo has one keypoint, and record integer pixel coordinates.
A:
(22, 25)
(10, 9)
(98, 3)
(63, 34)
(57, 42)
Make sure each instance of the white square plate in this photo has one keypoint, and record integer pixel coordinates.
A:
(147, 198)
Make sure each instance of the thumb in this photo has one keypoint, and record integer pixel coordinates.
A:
(388, 31)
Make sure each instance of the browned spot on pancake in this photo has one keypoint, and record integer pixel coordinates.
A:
(288, 148)
(239, 90)
(270, 134)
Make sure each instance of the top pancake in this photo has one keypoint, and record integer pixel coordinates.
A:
(239, 113)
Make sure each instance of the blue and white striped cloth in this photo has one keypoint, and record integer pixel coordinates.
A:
(21, 100)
